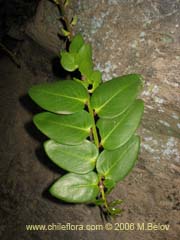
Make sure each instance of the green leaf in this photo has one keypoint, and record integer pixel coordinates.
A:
(76, 188)
(66, 129)
(60, 97)
(68, 61)
(65, 32)
(84, 83)
(99, 202)
(76, 44)
(78, 159)
(117, 131)
(109, 184)
(115, 211)
(95, 79)
(74, 21)
(118, 163)
(112, 98)
(84, 59)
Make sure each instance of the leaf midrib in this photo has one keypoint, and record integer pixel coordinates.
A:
(67, 125)
(115, 127)
(75, 155)
(65, 96)
(85, 185)
(113, 96)
(125, 151)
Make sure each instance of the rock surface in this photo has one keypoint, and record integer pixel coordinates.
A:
(45, 26)
(127, 36)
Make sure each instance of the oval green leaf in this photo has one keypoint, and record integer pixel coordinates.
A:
(68, 61)
(77, 159)
(70, 129)
(84, 60)
(76, 43)
(76, 188)
(112, 98)
(118, 163)
(117, 131)
(60, 97)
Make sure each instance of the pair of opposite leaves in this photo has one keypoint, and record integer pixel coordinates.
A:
(79, 57)
(119, 116)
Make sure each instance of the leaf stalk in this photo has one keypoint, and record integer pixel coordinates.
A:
(94, 130)
(68, 25)
(101, 186)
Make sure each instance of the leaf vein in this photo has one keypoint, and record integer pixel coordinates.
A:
(70, 126)
(113, 96)
(112, 166)
(65, 96)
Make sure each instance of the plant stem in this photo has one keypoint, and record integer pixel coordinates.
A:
(65, 19)
(96, 141)
(104, 197)
(94, 130)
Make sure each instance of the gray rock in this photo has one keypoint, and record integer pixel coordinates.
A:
(45, 26)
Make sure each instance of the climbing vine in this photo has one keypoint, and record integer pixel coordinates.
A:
(90, 125)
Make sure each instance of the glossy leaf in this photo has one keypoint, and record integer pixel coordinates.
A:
(60, 97)
(117, 131)
(84, 83)
(76, 44)
(68, 61)
(78, 159)
(112, 98)
(66, 129)
(76, 188)
(118, 163)
(84, 60)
